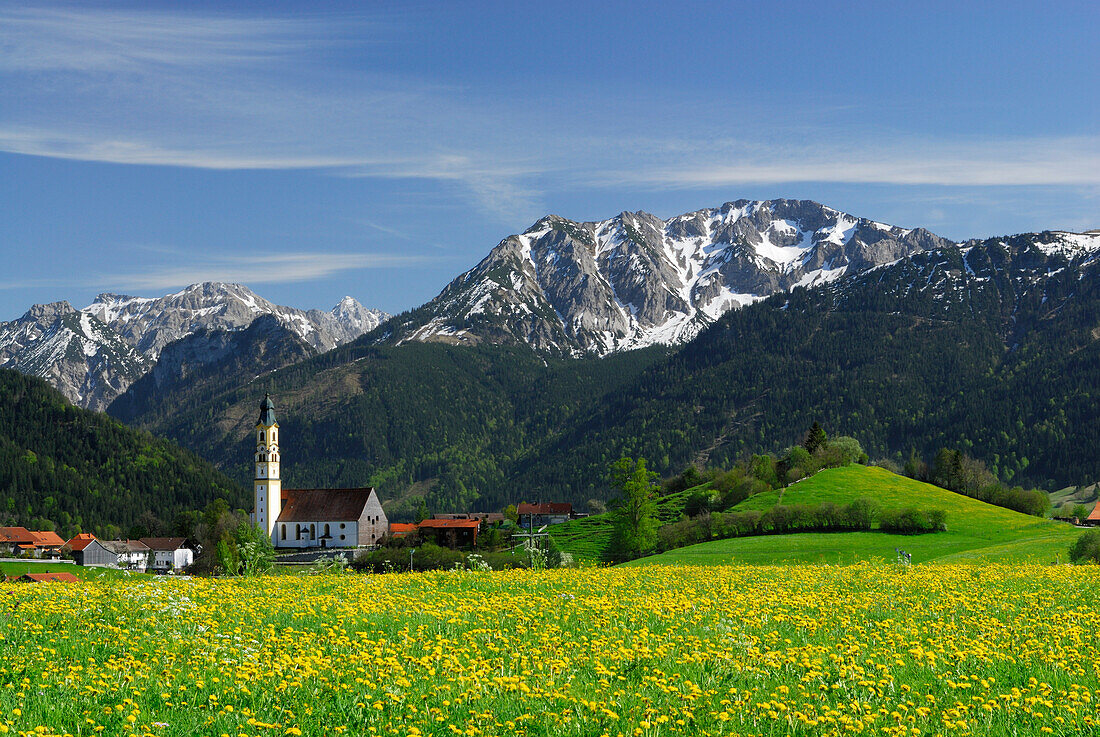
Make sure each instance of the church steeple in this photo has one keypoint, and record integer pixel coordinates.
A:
(267, 487)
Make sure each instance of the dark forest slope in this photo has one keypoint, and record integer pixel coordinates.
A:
(82, 470)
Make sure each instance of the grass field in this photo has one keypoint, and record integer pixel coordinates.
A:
(976, 532)
(813, 650)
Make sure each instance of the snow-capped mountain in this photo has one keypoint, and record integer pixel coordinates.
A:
(635, 280)
(86, 360)
(150, 324)
(92, 355)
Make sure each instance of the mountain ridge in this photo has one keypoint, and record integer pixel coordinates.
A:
(93, 357)
(634, 280)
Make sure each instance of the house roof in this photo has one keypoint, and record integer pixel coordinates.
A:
(399, 529)
(547, 508)
(1095, 512)
(81, 541)
(164, 543)
(16, 535)
(42, 577)
(125, 546)
(468, 524)
(324, 505)
(48, 539)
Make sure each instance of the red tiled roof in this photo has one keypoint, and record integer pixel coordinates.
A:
(16, 535)
(1095, 513)
(402, 528)
(466, 524)
(81, 541)
(41, 577)
(318, 505)
(164, 543)
(48, 539)
(547, 508)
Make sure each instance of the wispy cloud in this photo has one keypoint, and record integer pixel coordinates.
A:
(1010, 162)
(280, 268)
(214, 90)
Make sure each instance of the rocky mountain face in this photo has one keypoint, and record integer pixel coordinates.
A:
(636, 280)
(92, 355)
(190, 366)
(76, 353)
(151, 324)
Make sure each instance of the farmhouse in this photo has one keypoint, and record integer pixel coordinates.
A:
(88, 551)
(132, 554)
(452, 533)
(169, 553)
(21, 541)
(309, 518)
(551, 513)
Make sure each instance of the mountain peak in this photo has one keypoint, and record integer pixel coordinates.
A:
(635, 279)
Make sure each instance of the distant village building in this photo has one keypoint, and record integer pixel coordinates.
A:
(309, 518)
(86, 550)
(169, 553)
(453, 533)
(132, 554)
(21, 541)
(551, 513)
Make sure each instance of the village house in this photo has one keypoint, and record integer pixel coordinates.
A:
(169, 553)
(132, 554)
(452, 533)
(551, 513)
(309, 518)
(21, 541)
(86, 550)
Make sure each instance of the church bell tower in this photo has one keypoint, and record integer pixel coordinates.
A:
(268, 490)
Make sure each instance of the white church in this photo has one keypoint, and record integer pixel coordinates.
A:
(309, 518)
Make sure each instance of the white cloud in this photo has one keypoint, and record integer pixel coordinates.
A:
(1010, 162)
(281, 268)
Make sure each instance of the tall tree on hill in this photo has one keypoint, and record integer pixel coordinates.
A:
(815, 438)
(636, 508)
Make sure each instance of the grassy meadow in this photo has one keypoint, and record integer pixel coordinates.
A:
(814, 650)
(976, 531)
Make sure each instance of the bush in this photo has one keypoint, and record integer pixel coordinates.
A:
(1087, 548)
(911, 521)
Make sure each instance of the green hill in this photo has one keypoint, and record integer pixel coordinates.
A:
(975, 530)
(77, 470)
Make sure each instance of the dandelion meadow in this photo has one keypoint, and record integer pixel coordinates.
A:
(823, 650)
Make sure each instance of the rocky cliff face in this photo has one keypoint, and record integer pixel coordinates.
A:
(151, 324)
(635, 280)
(92, 355)
(210, 355)
(83, 358)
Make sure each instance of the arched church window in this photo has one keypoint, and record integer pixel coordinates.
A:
(261, 436)
(297, 532)
(313, 532)
(326, 529)
(284, 533)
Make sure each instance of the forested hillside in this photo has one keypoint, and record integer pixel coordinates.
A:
(448, 422)
(992, 349)
(67, 468)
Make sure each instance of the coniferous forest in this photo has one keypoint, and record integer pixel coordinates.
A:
(72, 470)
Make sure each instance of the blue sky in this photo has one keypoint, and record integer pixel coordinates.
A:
(315, 150)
